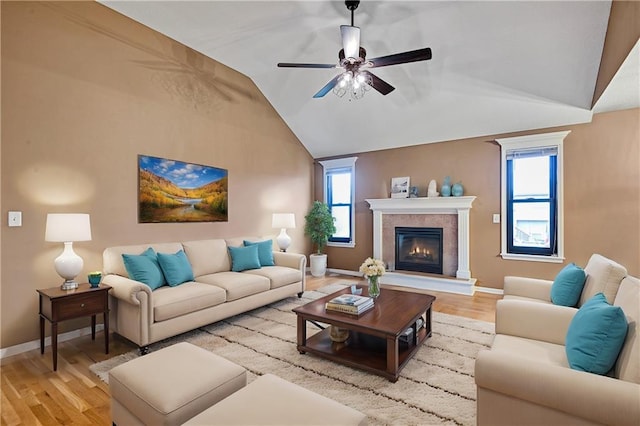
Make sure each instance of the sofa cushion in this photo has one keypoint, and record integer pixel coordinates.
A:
(534, 350)
(207, 256)
(265, 251)
(144, 268)
(171, 302)
(567, 286)
(237, 285)
(628, 298)
(595, 336)
(175, 267)
(279, 276)
(603, 276)
(243, 258)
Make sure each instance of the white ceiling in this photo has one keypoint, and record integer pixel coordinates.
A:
(497, 67)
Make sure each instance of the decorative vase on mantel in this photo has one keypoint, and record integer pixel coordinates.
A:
(374, 286)
(445, 189)
(457, 190)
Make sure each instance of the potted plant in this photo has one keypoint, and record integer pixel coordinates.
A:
(319, 226)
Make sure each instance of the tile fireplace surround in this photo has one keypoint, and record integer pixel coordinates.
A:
(449, 213)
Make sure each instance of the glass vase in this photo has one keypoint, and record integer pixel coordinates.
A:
(374, 286)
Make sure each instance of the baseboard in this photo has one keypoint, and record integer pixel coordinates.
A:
(344, 272)
(35, 344)
(490, 290)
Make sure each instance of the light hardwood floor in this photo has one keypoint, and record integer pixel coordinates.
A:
(33, 394)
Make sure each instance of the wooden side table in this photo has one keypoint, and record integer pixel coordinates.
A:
(58, 305)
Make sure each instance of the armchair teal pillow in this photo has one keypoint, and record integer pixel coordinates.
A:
(144, 268)
(567, 286)
(265, 251)
(176, 268)
(243, 258)
(595, 336)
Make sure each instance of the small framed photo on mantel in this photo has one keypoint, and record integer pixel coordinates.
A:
(400, 187)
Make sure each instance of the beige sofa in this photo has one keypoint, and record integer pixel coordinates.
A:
(145, 316)
(525, 378)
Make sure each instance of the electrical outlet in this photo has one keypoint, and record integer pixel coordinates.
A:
(15, 218)
(496, 218)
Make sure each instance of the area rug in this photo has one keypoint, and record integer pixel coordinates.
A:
(436, 387)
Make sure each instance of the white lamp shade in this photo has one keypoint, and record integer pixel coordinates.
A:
(65, 227)
(283, 220)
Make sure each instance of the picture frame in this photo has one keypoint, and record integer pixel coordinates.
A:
(172, 191)
(400, 187)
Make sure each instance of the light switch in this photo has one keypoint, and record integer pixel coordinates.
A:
(496, 218)
(15, 218)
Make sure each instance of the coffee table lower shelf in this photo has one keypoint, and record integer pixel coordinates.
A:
(364, 351)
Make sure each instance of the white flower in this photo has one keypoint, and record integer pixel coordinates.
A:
(372, 267)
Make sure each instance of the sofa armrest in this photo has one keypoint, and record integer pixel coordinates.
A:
(532, 320)
(126, 289)
(600, 399)
(291, 260)
(528, 287)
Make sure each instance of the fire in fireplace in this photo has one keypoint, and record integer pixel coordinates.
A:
(419, 249)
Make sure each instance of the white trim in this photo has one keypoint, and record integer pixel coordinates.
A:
(489, 290)
(35, 344)
(427, 205)
(347, 245)
(532, 258)
(340, 163)
(523, 142)
(345, 272)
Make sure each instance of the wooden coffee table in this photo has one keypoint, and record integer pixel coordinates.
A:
(374, 341)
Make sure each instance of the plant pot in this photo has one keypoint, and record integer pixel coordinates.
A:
(318, 264)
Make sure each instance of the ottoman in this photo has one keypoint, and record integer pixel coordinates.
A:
(171, 385)
(270, 400)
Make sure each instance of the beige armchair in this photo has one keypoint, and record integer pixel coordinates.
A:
(525, 378)
(603, 275)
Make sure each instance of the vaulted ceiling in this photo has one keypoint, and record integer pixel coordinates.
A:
(497, 67)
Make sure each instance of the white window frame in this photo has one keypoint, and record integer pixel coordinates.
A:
(554, 139)
(342, 163)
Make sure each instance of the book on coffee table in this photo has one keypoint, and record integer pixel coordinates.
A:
(349, 309)
(350, 299)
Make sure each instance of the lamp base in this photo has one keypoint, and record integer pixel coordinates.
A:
(69, 285)
(283, 240)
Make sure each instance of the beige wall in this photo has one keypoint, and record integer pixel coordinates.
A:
(84, 91)
(602, 195)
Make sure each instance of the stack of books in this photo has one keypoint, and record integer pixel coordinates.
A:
(349, 304)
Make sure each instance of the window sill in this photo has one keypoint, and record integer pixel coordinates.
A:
(347, 245)
(533, 258)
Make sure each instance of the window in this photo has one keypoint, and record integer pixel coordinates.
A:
(339, 192)
(531, 192)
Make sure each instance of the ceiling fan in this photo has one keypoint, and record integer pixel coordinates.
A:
(356, 77)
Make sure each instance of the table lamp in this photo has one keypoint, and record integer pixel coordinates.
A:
(283, 221)
(67, 228)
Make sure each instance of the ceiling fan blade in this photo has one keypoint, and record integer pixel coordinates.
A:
(350, 41)
(327, 87)
(297, 65)
(402, 58)
(379, 84)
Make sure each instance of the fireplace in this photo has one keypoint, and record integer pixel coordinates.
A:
(418, 249)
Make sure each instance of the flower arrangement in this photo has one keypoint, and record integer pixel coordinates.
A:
(372, 267)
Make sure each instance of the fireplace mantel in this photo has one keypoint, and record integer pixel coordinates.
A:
(459, 206)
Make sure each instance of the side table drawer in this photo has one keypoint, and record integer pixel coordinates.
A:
(81, 305)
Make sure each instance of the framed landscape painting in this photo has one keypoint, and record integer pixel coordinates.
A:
(174, 191)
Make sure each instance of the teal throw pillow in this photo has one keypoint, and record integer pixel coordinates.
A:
(567, 286)
(265, 251)
(243, 258)
(144, 268)
(176, 268)
(595, 336)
